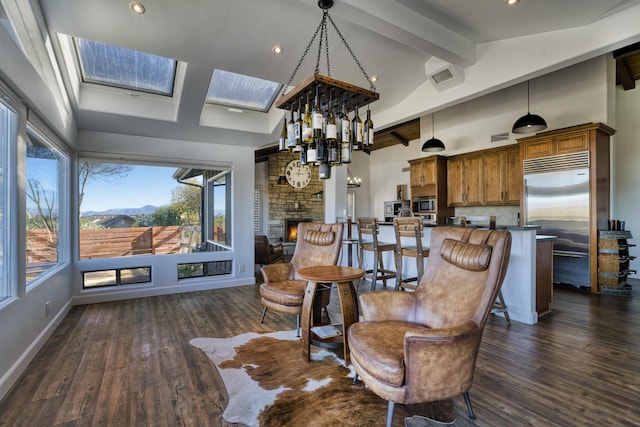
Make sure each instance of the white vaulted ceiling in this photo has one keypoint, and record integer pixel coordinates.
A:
(494, 45)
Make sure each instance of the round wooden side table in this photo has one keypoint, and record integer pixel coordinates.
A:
(326, 276)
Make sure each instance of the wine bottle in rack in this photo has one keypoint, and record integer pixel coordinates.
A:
(297, 126)
(345, 136)
(324, 170)
(331, 138)
(307, 124)
(356, 130)
(291, 142)
(303, 154)
(282, 143)
(368, 132)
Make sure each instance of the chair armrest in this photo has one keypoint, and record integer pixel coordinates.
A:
(439, 363)
(277, 272)
(277, 246)
(386, 306)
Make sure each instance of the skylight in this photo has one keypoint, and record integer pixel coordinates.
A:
(125, 68)
(238, 90)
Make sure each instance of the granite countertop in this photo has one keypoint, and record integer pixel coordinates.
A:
(498, 227)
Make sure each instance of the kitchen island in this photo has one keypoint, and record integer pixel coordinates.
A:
(521, 285)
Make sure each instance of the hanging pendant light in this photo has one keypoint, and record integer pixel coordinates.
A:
(433, 144)
(529, 123)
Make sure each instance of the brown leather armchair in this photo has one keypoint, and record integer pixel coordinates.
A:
(267, 253)
(422, 346)
(282, 290)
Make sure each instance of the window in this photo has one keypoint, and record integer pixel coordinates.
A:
(204, 269)
(133, 209)
(238, 90)
(116, 277)
(125, 68)
(8, 135)
(45, 178)
(219, 200)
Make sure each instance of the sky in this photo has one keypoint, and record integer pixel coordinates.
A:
(145, 185)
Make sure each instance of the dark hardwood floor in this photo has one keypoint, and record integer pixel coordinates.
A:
(130, 363)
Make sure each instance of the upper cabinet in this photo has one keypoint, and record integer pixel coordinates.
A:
(423, 171)
(464, 176)
(565, 142)
(485, 178)
(502, 177)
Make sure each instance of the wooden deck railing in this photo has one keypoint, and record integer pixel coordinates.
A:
(116, 242)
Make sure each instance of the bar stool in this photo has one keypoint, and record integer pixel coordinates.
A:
(370, 227)
(412, 230)
(348, 242)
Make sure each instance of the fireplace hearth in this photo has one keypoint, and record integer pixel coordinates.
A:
(291, 228)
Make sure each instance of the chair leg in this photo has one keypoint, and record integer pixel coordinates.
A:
(398, 270)
(355, 378)
(264, 311)
(390, 409)
(298, 327)
(467, 399)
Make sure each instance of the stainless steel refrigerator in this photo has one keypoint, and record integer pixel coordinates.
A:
(557, 200)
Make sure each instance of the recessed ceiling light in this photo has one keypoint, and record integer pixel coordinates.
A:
(137, 7)
(374, 78)
(277, 49)
(511, 2)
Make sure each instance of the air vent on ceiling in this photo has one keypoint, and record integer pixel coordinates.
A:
(500, 137)
(443, 75)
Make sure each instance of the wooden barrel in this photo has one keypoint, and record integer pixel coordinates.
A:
(613, 262)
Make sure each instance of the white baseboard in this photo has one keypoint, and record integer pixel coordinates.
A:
(17, 369)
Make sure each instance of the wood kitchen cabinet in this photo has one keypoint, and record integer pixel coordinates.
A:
(502, 177)
(570, 140)
(465, 180)
(485, 178)
(423, 172)
(429, 179)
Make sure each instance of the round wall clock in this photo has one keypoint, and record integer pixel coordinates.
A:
(298, 175)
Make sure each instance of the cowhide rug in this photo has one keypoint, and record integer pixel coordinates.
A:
(269, 384)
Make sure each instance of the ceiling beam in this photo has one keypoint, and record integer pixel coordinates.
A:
(398, 138)
(624, 74)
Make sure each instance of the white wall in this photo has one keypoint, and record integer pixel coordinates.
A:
(626, 171)
(26, 325)
(568, 97)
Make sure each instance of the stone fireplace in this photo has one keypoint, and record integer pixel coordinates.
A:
(286, 203)
(291, 228)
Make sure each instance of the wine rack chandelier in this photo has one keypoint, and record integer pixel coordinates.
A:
(329, 95)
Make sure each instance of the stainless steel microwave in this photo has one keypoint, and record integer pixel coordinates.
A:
(423, 205)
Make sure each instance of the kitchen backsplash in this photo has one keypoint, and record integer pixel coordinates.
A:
(505, 215)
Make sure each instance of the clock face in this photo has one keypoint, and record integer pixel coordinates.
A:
(298, 175)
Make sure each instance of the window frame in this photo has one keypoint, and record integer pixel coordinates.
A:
(120, 85)
(37, 128)
(10, 234)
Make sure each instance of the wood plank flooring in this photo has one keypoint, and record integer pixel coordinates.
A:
(130, 363)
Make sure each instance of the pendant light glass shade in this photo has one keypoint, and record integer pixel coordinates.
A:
(432, 144)
(529, 123)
